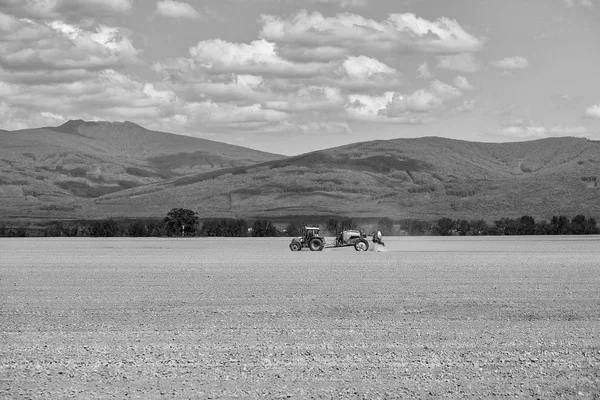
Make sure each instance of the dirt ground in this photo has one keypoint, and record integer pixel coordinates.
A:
(247, 318)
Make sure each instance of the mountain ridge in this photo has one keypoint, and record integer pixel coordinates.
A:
(402, 178)
(425, 178)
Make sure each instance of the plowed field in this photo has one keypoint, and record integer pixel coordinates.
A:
(247, 318)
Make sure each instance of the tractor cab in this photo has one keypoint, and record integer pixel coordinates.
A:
(310, 231)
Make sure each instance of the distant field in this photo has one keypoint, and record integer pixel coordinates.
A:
(247, 318)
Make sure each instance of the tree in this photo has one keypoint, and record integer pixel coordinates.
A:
(559, 225)
(591, 227)
(20, 231)
(156, 230)
(444, 226)
(542, 228)
(526, 225)
(463, 227)
(294, 229)
(507, 226)
(386, 226)
(415, 227)
(333, 226)
(181, 222)
(54, 230)
(137, 229)
(347, 224)
(263, 228)
(479, 227)
(227, 227)
(237, 227)
(105, 228)
(578, 225)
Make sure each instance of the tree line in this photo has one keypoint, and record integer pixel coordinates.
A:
(180, 222)
(525, 225)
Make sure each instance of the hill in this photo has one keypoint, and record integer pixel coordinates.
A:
(98, 170)
(54, 171)
(426, 178)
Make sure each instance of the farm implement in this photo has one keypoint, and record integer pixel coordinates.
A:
(313, 240)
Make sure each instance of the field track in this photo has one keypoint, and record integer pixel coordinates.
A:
(510, 317)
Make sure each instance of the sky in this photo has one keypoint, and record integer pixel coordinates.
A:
(292, 76)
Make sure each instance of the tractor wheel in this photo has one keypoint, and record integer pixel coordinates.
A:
(295, 246)
(361, 245)
(316, 245)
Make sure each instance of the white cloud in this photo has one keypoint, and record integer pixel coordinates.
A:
(109, 95)
(60, 52)
(593, 111)
(72, 10)
(324, 127)
(383, 109)
(94, 7)
(465, 107)
(307, 98)
(463, 62)
(524, 132)
(49, 115)
(511, 63)
(251, 81)
(566, 97)
(12, 118)
(569, 130)
(257, 58)
(307, 53)
(578, 3)
(363, 73)
(424, 72)
(176, 9)
(363, 68)
(344, 3)
(399, 32)
(419, 101)
(444, 91)
(462, 83)
(227, 113)
(443, 35)
(117, 97)
(521, 129)
(159, 96)
(402, 108)
(366, 104)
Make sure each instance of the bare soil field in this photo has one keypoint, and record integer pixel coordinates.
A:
(509, 317)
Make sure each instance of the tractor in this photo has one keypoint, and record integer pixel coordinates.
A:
(311, 238)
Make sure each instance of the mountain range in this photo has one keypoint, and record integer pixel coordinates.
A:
(86, 170)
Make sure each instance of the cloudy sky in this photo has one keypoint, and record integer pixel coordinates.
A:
(290, 76)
